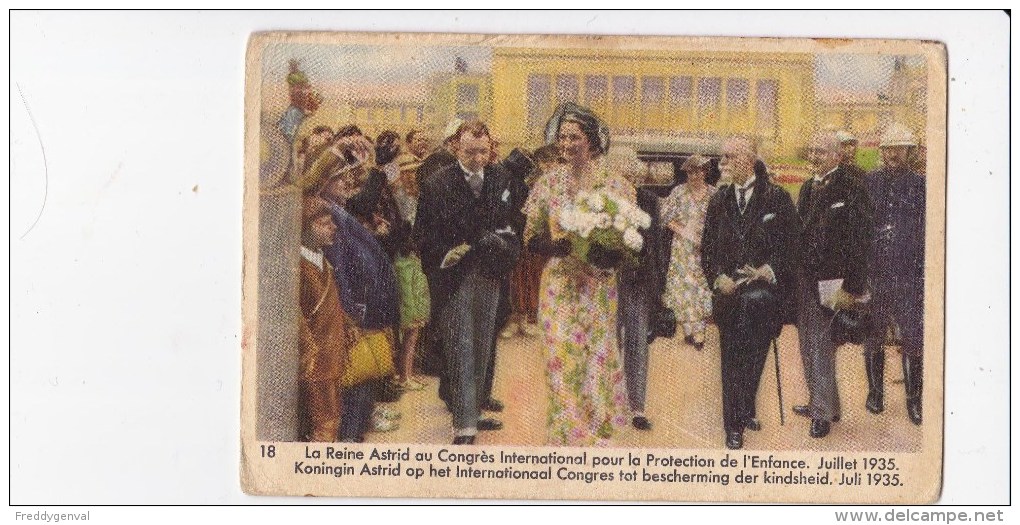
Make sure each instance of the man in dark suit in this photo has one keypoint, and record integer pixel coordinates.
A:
(835, 251)
(468, 239)
(640, 289)
(429, 345)
(897, 270)
(746, 249)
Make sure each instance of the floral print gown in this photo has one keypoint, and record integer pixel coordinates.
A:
(687, 293)
(577, 313)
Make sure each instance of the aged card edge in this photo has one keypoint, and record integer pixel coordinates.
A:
(935, 52)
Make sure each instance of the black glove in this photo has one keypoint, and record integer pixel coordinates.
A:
(491, 243)
(544, 245)
(496, 255)
(604, 258)
(387, 147)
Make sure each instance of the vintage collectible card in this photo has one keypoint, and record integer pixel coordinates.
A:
(594, 268)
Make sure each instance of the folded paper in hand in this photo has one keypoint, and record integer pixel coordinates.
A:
(827, 292)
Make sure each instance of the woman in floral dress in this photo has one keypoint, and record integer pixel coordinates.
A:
(687, 293)
(577, 303)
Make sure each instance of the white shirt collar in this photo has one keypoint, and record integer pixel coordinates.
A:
(314, 257)
(748, 184)
(823, 177)
(468, 173)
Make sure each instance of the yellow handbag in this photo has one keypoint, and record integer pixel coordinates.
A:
(371, 358)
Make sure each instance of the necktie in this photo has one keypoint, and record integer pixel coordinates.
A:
(475, 181)
(742, 199)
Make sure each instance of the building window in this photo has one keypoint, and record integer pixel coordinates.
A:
(538, 100)
(708, 92)
(623, 89)
(768, 103)
(652, 90)
(467, 115)
(566, 89)
(467, 97)
(737, 94)
(680, 90)
(421, 113)
(595, 89)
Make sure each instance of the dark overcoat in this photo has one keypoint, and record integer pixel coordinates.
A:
(897, 268)
(764, 234)
(449, 215)
(836, 237)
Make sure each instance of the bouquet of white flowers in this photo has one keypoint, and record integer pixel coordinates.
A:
(598, 218)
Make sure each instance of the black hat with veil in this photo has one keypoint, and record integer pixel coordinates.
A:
(591, 125)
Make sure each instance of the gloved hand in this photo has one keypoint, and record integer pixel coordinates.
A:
(843, 300)
(544, 245)
(387, 147)
(491, 243)
(604, 258)
(725, 284)
(496, 255)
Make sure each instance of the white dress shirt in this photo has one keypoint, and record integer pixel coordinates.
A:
(314, 257)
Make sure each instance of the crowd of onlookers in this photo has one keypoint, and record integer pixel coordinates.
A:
(369, 188)
(365, 291)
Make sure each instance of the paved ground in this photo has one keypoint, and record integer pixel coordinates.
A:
(683, 402)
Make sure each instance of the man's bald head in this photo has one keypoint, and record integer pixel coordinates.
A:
(737, 161)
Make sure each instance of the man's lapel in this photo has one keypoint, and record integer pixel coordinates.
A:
(459, 188)
(754, 204)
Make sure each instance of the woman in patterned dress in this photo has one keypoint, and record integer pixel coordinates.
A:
(577, 303)
(687, 293)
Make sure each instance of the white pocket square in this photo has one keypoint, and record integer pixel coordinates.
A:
(768, 217)
(506, 195)
(839, 204)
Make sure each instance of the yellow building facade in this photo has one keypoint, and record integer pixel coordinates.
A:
(467, 96)
(376, 116)
(657, 95)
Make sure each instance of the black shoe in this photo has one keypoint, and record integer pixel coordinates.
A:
(490, 424)
(492, 405)
(699, 345)
(734, 440)
(464, 440)
(641, 423)
(753, 424)
(819, 428)
(689, 339)
(804, 410)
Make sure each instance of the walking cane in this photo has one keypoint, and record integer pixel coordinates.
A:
(779, 383)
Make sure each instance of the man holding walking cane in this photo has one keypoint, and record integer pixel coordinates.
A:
(746, 248)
